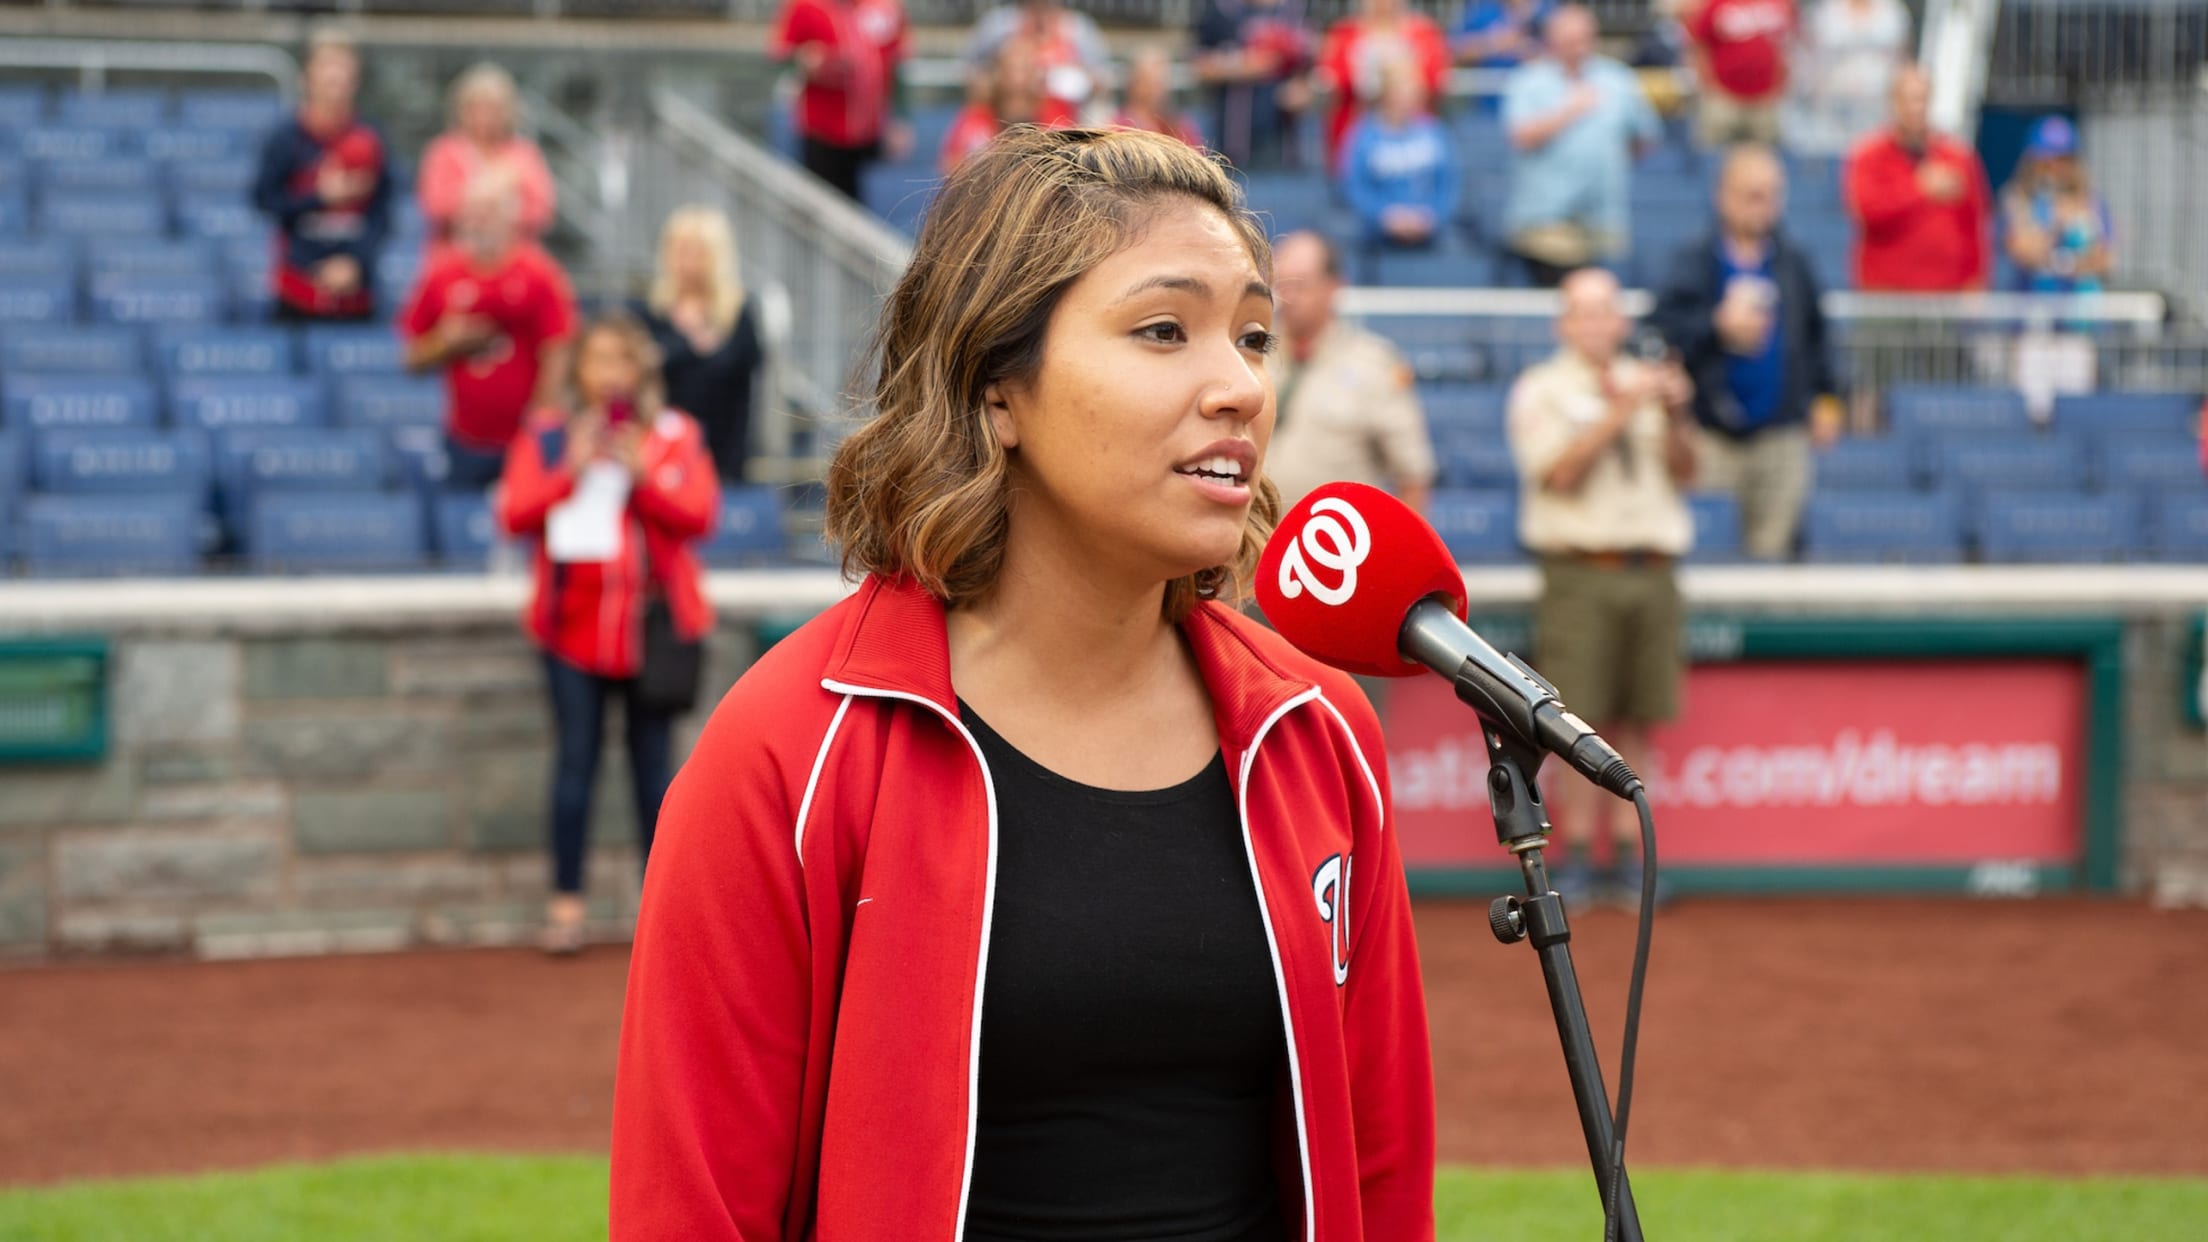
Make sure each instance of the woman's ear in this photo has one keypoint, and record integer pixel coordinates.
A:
(999, 409)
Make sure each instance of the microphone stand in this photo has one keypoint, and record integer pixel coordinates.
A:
(1522, 827)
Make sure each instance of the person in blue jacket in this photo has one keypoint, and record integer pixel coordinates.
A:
(1399, 168)
(325, 178)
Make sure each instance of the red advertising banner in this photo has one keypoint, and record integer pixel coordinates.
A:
(1801, 763)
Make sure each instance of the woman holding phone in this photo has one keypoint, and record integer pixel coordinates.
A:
(1033, 892)
(614, 491)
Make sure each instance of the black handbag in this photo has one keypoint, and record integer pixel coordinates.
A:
(667, 682)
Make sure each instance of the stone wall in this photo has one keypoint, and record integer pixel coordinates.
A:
(269, 793)
(297, 768)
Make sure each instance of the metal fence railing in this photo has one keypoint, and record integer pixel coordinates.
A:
(93, 63)
(818, 263)
(2149, 160)
(2086, 51)
(2040, 344)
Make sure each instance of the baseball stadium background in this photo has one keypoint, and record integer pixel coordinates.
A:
(270, 834)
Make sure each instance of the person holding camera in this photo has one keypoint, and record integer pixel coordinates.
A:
(615, 490)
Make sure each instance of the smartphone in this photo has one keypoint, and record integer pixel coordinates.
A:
(620, 412)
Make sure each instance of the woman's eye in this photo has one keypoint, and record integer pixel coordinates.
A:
(1167, 333)
(1261, 341)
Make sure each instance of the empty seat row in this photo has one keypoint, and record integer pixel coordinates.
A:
(2005, 527)
(184, 351)
(342, 529)
(2112, 459)
(1938, 408)
(41, 402)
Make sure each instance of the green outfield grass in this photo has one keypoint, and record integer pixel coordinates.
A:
(558, 1199)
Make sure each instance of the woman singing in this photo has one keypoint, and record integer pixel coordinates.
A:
(1033, 892)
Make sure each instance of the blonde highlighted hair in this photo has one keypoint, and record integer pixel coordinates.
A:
(710, 226)
(922, 491)
(484, 78)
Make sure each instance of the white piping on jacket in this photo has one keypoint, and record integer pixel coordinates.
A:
(1272, 945)
(820, 761)
(988, 917)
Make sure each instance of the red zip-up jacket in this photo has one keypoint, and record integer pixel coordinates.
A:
(802, 1036)
(592, 615)
(1907, 242)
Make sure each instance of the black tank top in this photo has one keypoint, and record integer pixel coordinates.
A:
(1131, 1045)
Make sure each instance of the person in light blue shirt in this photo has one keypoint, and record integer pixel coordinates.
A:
(1399, 171)
(1576, 121)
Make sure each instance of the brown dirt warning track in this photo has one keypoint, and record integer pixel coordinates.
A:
(2056, 1036)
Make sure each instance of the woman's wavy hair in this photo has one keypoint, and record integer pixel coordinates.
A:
(922, 490)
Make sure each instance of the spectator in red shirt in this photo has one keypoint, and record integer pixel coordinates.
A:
(1076, 62)
(848, 52)
(1360, 46)
(607, 564)
(494, 311)
(1739, 52)
(1920, 202)
(1013, 94)
(1148, 104)
(482, 137)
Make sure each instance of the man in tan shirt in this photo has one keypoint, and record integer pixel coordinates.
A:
(1603, 445)
(1343, 395)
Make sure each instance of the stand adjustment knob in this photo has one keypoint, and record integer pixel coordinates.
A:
(1505, 921)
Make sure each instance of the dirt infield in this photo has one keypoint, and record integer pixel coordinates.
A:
(2053, 1036)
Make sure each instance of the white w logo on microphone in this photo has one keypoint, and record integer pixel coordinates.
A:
(1340, 545)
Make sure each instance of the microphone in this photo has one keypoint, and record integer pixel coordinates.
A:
(1355, 579)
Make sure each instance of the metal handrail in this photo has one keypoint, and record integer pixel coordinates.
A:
(94, 59)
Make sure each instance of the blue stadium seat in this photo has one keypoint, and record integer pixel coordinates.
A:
(74, 142)
(220, 215)
(227, 404)
(250, 111)
(127, 174)
(1475, 458)
(109, 261)
(232, 175)
(1471, 408)
(137, 109)
(15, 175)
(1716, 527)
(54, 350)
(397, 272)
(1882, 527)
(900, 193)
(185, 353)
(37, 299)
(2178, 526)
(336, 530)
(1445, 267)
(340, 350)
(466, 529)
(2032, 527)
(79, 461)
(250, 261)
(1480, 528)
(2137, 460)
(160, 299)
(14, 470)
(378, 400)
(751, 529)
(41, 402)
(22, 106)
(192, 144)
(251, 463)
(1926, 407)
(1868, 463)
(15, 211)
(1978, 463)
(2173, 412)
(103, 215)
(45, 259)
(84, 535)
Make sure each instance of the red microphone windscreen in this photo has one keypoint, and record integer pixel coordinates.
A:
(1344, 567)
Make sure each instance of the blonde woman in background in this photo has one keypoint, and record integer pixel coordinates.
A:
(707, 332)
(485, 109)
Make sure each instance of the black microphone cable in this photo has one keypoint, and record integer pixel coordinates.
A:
(1633, 992)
